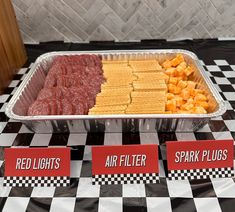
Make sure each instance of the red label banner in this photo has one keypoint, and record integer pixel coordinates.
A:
(37, 162)
(202, 154)
(124, 159)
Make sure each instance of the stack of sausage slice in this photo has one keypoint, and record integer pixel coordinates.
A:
(70, 86)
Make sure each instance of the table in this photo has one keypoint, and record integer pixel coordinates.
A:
(195, 195)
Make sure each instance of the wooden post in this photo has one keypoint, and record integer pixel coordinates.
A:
(12, 51)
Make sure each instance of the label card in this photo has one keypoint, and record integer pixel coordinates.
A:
(124, 164)
(200, 159)
(34, 167)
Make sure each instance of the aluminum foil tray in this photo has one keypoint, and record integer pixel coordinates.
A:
(33, 83)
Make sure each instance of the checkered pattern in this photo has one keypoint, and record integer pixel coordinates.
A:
(109, 179)
(36, 181)
(201, 173)
(167, 195)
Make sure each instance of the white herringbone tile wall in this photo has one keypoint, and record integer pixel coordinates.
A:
(124, 20)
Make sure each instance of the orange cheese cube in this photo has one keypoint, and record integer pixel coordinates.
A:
(185, 94)
(181, 66)
(182, 84)
(179, 101)
(166, 64)
(194, 92)
(171, 105)
(200, 97)
(181, 75)
(199, 110)
(179, 78)
(170, 96)
(190, 100)
(177, 60)
(170, 72)
(184, 77)
(177, 90)
(179, 71)
(203, 104)
(173, 80)
(188, 71)
(191, 85)
(187, 106)
(173, 89)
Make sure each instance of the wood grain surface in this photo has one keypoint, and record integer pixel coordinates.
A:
(12, 51)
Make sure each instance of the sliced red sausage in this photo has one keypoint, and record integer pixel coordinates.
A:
(39, 108)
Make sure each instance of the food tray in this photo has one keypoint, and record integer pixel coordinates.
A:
(33, 82)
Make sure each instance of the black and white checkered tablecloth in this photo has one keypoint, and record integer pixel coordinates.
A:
(201, 195)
